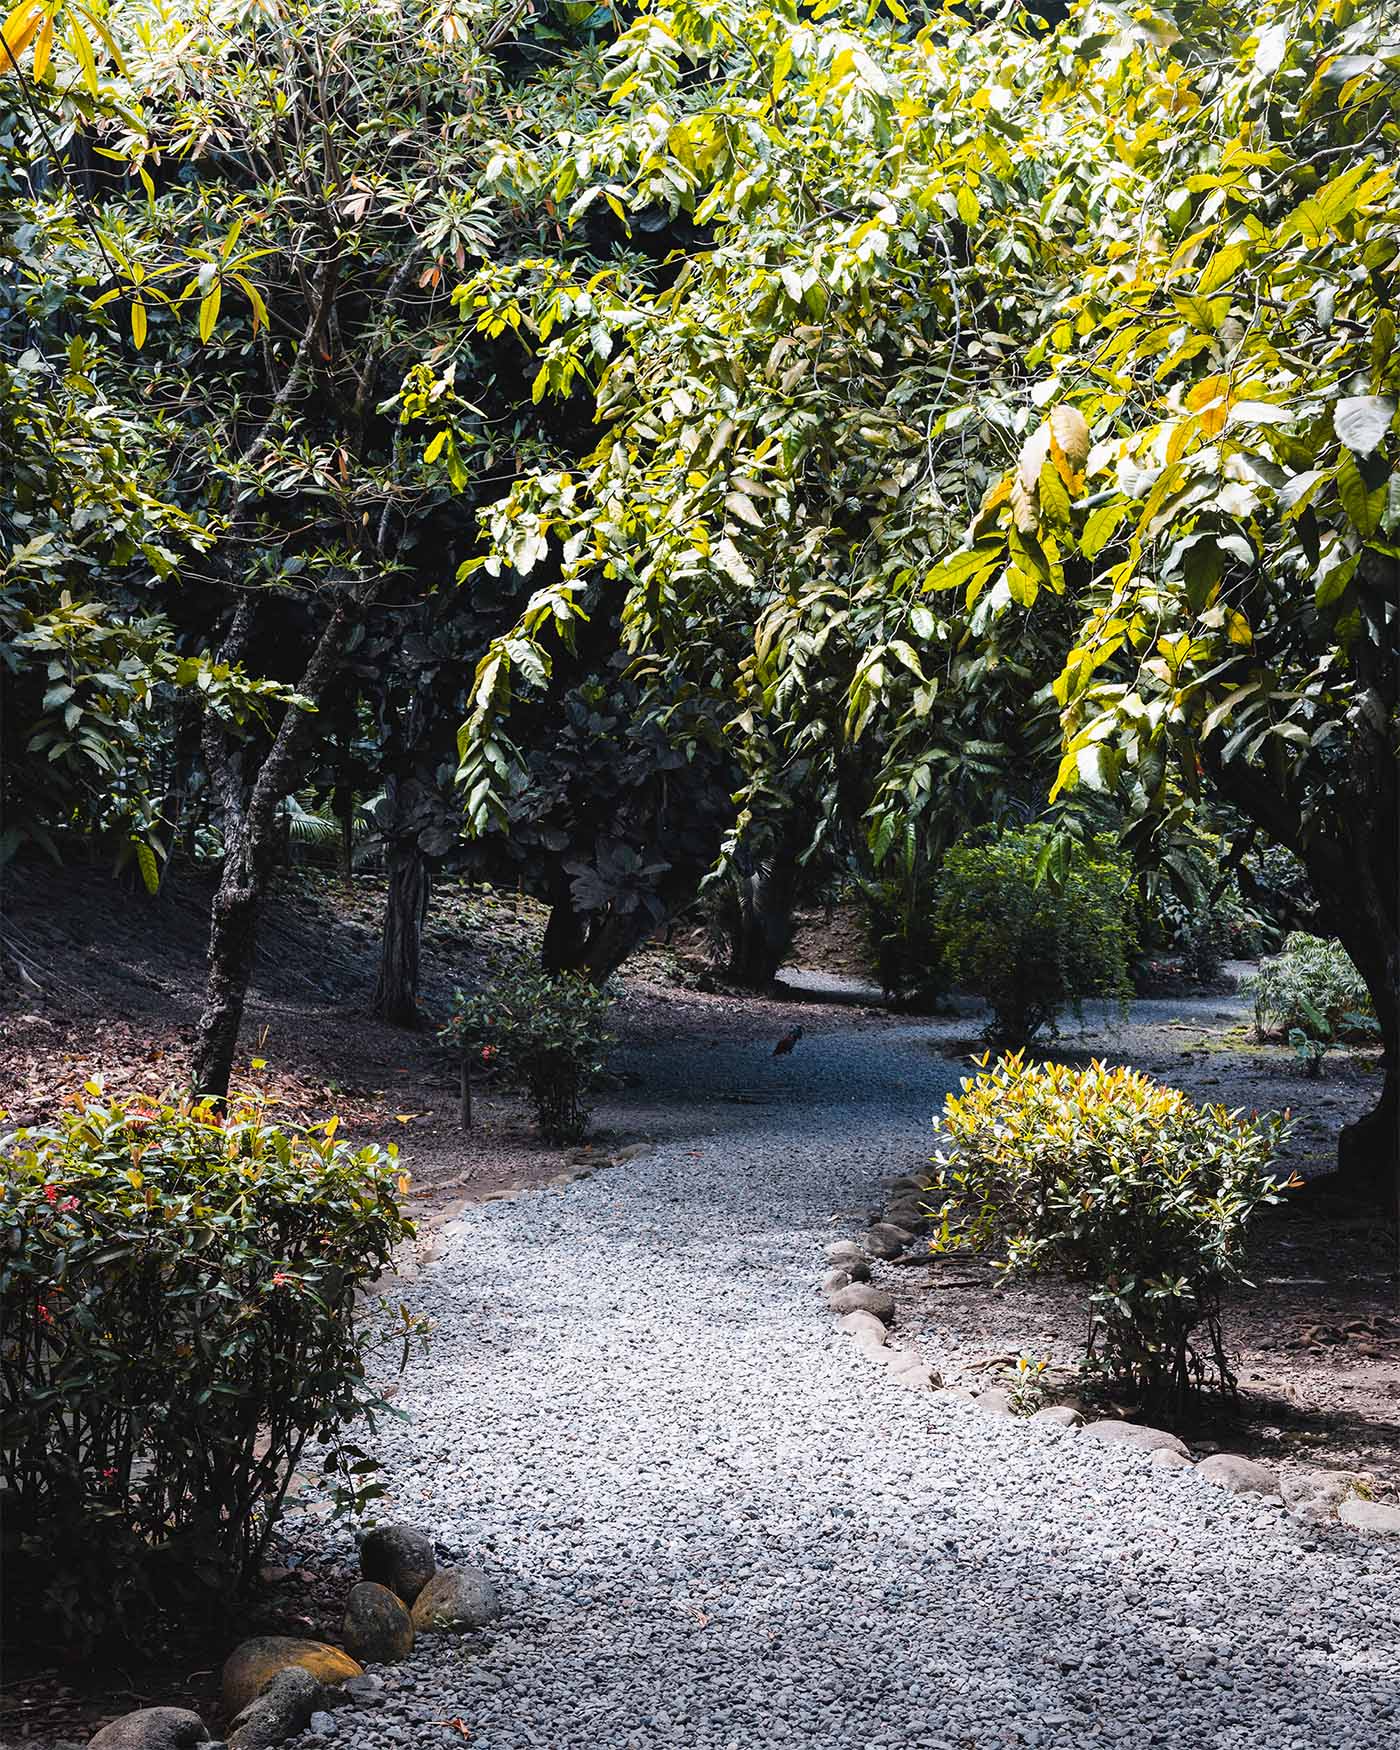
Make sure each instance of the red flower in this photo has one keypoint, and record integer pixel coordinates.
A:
(45, 1316)
(280, 1278)
(51, 1192)
(109, 1476)
(67, 1204)
(488, 1053)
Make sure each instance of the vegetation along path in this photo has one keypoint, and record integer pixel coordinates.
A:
(714, 1524)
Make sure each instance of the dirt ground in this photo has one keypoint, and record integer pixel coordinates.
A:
(111, 987)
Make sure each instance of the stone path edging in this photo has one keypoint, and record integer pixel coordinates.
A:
(865, 1312)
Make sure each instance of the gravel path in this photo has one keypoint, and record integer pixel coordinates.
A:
(716, 1526)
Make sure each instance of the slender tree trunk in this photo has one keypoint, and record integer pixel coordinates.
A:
(250, 848)
(405, 907)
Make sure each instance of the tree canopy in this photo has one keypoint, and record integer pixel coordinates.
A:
(745, 428)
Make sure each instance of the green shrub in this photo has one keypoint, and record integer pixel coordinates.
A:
(1312, 989)
(1121, 1184)
(548, 1032)
(1032, 945)
(177, 1321)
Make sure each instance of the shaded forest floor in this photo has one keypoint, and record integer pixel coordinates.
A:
(113, 986)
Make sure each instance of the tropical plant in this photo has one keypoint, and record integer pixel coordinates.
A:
(1313, 989)
(1123, 1185)
(1027, 944)
(549, 1032)
(179, 1318)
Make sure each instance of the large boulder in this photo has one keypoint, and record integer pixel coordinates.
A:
(399, 1557)
(844, 1253)
(250, 1667)
(378, 1628)
(1373, 1516)
(885, 1240)
(455, 1600)
(863, 1326)
(1059, 1416)
(153, 1728)
(908, 1212)
(861, 1297)
(1236, 1475)
(1313, 1494)
(1135, 1434)
(282, 1710)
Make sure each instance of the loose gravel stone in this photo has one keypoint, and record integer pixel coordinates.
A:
(1239, 1476)
(714, 1526)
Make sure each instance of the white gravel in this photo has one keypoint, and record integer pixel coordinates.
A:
(715, 1525)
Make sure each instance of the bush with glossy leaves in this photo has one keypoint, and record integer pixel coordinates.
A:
(179, 1293)
(1121, 1184)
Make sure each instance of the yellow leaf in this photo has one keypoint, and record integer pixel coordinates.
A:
(209, 310)
(332, 1125)
(1238, 628)
(20, 29)
(43, 49)
(138, 324)
(259, 1062)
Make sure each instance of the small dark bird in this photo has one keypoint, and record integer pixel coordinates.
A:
(786, 1043)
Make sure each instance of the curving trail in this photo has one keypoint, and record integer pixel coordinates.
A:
(714, 1526)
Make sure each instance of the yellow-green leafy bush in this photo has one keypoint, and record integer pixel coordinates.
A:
(178, 1295)
(1119, 1183)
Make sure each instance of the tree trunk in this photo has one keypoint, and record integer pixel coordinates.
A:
(396, 987)
(766, 892)
(1353, 861)
(250, 822)
(565, 937)
(594, 946)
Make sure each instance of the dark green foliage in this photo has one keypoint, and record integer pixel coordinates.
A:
(548, 1032)
(903, 934)
(1121, 1184)
(1032, 941)
(177, 1320)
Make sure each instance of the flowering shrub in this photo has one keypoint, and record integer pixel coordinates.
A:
(549, 1032)
(177, 1320)
(1120, 1183)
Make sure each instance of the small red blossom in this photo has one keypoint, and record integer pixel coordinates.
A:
(51, 1192)
(109, 1475)
(488, 1053)
(45, 1316)
(68, 1203)
(280, 1278)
